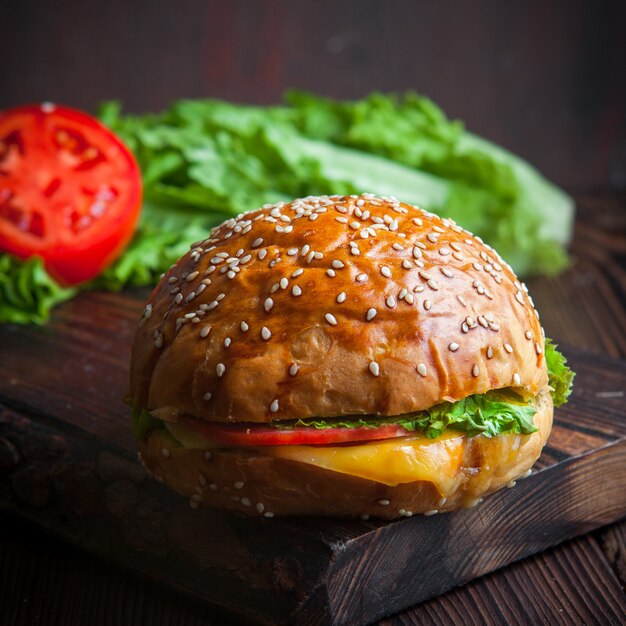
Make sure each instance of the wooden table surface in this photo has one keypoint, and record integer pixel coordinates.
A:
(44, 581)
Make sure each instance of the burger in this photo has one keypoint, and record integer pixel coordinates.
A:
(346, 356)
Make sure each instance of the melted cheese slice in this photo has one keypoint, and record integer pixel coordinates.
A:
(390, 461)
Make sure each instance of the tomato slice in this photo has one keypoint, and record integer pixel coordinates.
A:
(70, 190)
(262, 435)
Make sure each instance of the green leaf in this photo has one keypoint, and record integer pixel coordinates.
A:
(490, 414)
(27, 292)
(561, 377)
(143, 423)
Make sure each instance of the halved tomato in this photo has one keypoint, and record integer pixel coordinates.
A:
(261, 435)
(70, 190)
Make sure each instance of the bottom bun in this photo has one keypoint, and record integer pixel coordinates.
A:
(254, 483)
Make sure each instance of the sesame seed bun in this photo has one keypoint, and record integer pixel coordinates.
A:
(331, 306)
(254, 482)
(334, 306)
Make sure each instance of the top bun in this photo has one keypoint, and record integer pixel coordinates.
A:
(334, 305)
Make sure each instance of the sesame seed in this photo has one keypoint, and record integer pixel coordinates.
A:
(266, 334)
(444, 251)
(361, 278)
(158, 341)
(191, 276)
(432, 512)
(257, 242)
(489, 352)
(397, 246)
(453, 347)
(422, 370)
(371, 314)
(297, 272)
(331, 319)
(383, 502)
(165, 452)
(432, 237)
(341, 219)
(406, 264)
(262, 254)
(519, 297)
(427, 305)
(374, 368)
(238, 485)
(355, 225)
(246, 502)
(268, 514)
(179, 298)
(417, 253)
(391, 302)
(385, 271)
(205, 331)
(244, 327)
(341, 297)
(433, 284)
(296, 291)
(293, 369)
(207, 396)
(475, 370)
(227, 342)
(337, 264)
(305, 249)
(538, 348)
(220, 369)
(208, 455)
(283, 283)
(446, 272)
(274, 406)
(517, 381)
(260, 507)
(201, 480)
(508, 348)
(269, 303)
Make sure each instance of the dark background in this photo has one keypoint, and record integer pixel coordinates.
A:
(546, 79)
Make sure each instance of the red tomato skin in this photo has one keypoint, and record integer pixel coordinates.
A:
(71, 258)
(256, 435)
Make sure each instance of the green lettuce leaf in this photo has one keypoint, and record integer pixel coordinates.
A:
(490, 414)
(561, 377)
(143, 423)
(497, 412)
(27, 292)
(205, 160)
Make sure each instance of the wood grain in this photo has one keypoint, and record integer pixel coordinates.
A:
(72, 480)
(100, 489)
(571, 584)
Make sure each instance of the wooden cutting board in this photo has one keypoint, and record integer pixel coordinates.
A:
(68, 464)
